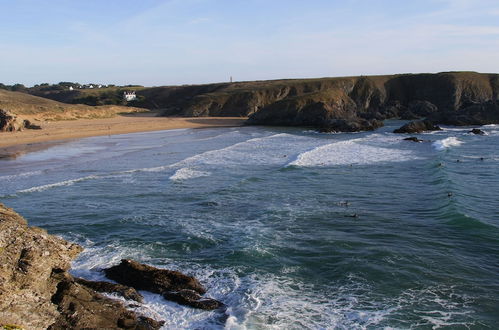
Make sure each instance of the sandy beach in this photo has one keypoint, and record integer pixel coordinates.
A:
(14, 143)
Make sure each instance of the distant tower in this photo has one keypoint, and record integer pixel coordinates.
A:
(231, 79)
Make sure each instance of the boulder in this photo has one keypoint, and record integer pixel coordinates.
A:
(417, 127)
(10, 122)
(172, 285)
(81, 307)
(122, 290)
(477, 131)
(29, 125)
(413, 139)
(145, 277)
(193, 299)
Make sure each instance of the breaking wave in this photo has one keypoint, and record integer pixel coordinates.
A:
(446, 143)
(351, 152)
(57, 184)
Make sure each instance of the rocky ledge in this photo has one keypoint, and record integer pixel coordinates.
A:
(37, 292)
(9, 122)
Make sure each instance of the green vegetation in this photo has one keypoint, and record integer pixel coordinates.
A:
(76, 93)
(10, 327)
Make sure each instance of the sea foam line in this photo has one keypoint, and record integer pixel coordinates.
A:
(57, 184)
(20, 175)
(182, 173)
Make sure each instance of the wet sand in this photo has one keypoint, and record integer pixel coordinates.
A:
(13, 144)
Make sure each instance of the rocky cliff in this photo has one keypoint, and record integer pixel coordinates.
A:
(36, 292)
(346, 103)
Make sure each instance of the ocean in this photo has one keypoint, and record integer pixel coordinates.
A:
(290, 228)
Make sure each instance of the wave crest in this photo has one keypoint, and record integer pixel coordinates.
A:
(446, 143)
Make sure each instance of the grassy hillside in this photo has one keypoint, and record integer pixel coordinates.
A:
(111, 95)
(41, 108)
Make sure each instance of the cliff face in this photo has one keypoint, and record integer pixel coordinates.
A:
(36, 292)
(320, 102)
(27, 258)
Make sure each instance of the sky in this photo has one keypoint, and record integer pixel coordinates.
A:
(174, 42)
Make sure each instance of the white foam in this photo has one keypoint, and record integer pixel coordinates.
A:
(277, 301)
(57, 184)
(351, 152)
(446, 143)
(19, 176)
(186, 173)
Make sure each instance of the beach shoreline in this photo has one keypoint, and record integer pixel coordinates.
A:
(13, 144)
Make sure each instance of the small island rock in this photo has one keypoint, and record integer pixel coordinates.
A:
(417, 127)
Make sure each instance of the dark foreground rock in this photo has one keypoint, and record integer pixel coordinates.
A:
(107, 287)
(172, 285)
(477, 131)
(193, 299)
(81, 307)
(417, 127)
(36, 292)
(413, 139)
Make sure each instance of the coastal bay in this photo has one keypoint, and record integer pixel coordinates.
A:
(285, 226)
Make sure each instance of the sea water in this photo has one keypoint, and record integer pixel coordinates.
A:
(289, 228)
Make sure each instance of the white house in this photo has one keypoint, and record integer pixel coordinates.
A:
(70, 88)
(129, 96)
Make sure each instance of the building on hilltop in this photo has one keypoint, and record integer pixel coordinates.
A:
(129, 96)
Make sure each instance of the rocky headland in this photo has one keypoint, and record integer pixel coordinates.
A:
(339, 104)
(343, 104)
(38, 292)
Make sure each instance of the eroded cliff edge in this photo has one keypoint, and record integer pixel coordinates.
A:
(37, 292)
(341, 104)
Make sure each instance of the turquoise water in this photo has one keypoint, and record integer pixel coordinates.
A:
(289, 228)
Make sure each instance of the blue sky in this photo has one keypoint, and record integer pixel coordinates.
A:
(167, 42)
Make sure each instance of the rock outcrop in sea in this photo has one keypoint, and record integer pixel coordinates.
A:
(418, 126)
(340, 104)
(38, 292)
(172, 285)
